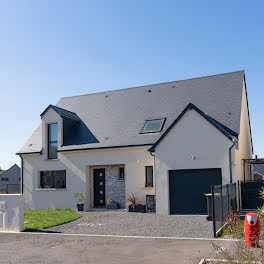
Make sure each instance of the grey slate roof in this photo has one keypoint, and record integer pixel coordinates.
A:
(115, 118)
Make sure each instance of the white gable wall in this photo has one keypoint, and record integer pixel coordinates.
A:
(192, 135)
(245, 145)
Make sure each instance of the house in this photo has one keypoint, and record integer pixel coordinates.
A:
(258, 171)
(10, 179)
(172, 140)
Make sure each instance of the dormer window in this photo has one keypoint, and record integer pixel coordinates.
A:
(52, 141)
(152, 126)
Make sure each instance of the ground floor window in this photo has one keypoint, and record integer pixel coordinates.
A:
(53, 179)
(121, 173)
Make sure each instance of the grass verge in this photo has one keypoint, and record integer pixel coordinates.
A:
(238, 231)
(40, 219)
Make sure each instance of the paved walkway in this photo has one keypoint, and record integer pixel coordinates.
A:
(25, 248)
(120, 222)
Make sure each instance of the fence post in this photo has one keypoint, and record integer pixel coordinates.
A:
(228, 200)
(238, 196)
(213, 210)
(221, 202)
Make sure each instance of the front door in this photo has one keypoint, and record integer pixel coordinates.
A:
(99, 187)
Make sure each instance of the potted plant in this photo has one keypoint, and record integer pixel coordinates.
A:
(80, 197)
(111, 204)
(135, 206)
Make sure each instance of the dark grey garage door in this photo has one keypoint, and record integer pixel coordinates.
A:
(187, 189)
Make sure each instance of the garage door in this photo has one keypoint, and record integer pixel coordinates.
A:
(187, 189)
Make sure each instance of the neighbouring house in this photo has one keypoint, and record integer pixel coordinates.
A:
(10, 180)
(172, 140)
(258, 171)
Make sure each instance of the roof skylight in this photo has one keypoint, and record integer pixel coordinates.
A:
(152, 126)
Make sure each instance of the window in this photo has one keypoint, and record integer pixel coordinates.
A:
(121, 173)
(53, 179)
(149, 176)
(152, 126)
(4, 179)
(52, 141)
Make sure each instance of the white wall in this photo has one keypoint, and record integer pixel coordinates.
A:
(75, 163)
(191, 135)
(13, 211)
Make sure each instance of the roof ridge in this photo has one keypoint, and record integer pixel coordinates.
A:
(147, 85)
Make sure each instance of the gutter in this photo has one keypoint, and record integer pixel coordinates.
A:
(22, 174)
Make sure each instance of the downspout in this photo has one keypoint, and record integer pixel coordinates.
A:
(153, 155)
(230, 159)
(22, 174)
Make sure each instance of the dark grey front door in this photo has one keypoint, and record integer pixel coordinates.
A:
(187, 189)
(99, 187)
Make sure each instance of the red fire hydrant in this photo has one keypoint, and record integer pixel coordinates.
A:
(252, 229)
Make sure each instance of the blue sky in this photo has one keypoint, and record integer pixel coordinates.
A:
(53, 49)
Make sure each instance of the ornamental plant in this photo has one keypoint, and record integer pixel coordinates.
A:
(80, 197)
(132, 198)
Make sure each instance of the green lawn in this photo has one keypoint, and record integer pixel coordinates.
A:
(41, 219)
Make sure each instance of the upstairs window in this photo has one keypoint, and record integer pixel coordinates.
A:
(152, 126)
(4, 179)
(52, 141)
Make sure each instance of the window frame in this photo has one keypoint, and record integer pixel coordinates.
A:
(149, 185)
(156, 131)
(50, 142)
(120, 178)
(52, 188)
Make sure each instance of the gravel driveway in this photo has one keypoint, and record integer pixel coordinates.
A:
(120, 222)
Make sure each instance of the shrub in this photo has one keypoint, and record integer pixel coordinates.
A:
(80, 197)
(132, 199)
(233, 221)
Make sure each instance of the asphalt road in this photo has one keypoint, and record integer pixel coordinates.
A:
(25, 248)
